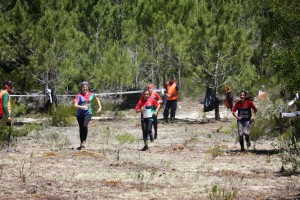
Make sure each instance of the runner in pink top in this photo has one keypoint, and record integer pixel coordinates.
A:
(83, 103)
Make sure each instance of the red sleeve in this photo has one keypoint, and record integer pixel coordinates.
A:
(139, 105)
(76, 100)
(157, 96)
(235, 107)
(253, 106)
(155, 103)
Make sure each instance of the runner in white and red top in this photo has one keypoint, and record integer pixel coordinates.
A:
(147, 107)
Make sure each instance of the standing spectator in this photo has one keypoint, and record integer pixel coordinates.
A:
(147, 107)
(5, 106)
(244, 118)
(154, 95)
(83, 101)
(172, 93)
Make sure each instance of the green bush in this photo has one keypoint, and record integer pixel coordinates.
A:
(267, 118)
(290, 144)
(26, 129)
(62, 114)
(104, 107)
(4, 131)
(19, 109)
(17, 131)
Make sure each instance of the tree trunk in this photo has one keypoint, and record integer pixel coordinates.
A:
(217, 112)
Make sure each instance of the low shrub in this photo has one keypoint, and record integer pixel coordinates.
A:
(126, 138)
(290, 146)
(19, 109)
(62, 115)
(26, 129)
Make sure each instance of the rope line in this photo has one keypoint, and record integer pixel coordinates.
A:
(100, 94)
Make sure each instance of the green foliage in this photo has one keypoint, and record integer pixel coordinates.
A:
(218, 193)
(116, 69)
(120, 45)
(4, 130)
(61, 116)
(216, 151)
(19, 109)
(283, 35)
(125, 138)
(267, 117)
(17, 131)
(224, 45)
(290, 144)
(26, 129)
(106, 105)
(191, 89)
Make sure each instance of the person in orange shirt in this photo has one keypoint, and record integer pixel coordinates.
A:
(172, 93)
(262, 93)
(154, 95)
(5, 105)
(229, 97)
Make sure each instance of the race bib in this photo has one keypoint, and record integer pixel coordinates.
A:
(147, 113)
(244, 114)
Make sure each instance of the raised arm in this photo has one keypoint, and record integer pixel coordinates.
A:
(99, 104)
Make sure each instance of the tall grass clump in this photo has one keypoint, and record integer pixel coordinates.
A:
(218, 193)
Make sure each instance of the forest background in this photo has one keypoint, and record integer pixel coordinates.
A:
(124, 45)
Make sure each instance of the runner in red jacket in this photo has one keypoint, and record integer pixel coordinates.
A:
(244, 118)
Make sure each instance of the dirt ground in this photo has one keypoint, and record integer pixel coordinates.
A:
(193, 158)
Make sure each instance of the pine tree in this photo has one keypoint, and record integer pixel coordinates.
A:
(15, 36)
(220, 43)
(284, 58)
(57, 43)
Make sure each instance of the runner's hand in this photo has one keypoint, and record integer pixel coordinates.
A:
(99, 110)
(84, 107)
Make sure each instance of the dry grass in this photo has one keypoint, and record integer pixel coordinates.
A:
(179, 165)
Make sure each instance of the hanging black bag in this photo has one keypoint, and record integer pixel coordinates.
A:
(210, 100)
